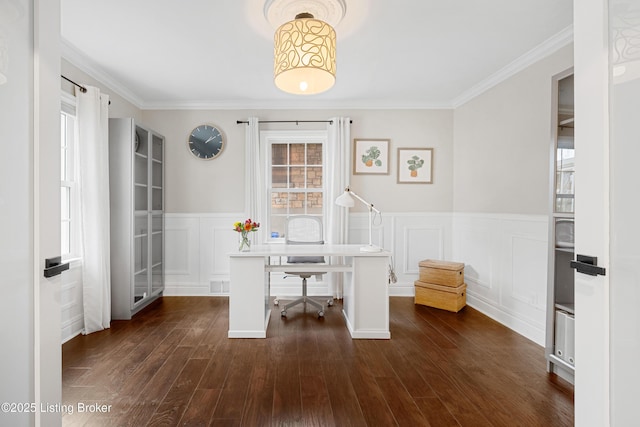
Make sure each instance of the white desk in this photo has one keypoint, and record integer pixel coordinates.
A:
(366, 292)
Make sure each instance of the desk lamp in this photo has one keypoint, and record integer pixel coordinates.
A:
(346, 200)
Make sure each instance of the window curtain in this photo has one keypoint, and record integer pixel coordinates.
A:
(254, 175)
(338, 172)
(93, 191)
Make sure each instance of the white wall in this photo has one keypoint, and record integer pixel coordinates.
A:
(502, 147)
(502, 142)
(487, 206)
(217, 186)
(119, 106)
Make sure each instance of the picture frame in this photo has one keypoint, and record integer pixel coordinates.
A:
(371, 156)
(415, 165)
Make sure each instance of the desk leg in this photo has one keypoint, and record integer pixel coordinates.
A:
(366, 298)
(248, 292)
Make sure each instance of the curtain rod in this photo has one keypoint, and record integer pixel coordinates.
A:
(82, 88)
(290, 121)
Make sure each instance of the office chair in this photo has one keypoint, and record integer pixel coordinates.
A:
(304, 230)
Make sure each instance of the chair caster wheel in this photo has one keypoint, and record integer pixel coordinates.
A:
(321, 313)
(276, 302)
(330, 302)
(283, 313)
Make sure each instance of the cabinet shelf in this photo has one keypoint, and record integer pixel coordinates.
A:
(555, 359)
(568, 307)
(566, 122)
(569, 250)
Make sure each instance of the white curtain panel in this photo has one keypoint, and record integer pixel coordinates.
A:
(93, 190)
(338, 173)
(254, 175)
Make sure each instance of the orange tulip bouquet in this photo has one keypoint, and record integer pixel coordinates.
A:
(244, 228)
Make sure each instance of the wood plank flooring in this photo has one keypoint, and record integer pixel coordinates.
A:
(173, 365)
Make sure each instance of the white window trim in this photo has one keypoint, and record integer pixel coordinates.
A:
(269, 137)
(68, 106)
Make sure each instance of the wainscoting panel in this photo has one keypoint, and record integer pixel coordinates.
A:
(476, 244)
(182, 254)
(72, 316)
(359, 229)
(417, 237)
(217, 239)
(505, 260)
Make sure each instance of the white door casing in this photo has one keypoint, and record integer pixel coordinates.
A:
(592, 207)
(624, 23)
(46, 158)
(607, 134)
(30, 367)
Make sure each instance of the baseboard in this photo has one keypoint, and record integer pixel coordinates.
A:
(401, 290)
(523, 328)
(72, 328)
(186, 290)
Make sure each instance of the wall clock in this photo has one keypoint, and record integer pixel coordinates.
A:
(206, 142)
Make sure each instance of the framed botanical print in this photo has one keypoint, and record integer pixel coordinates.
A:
(415, 165)
(370, 156)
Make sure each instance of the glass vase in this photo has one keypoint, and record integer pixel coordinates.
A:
(244, 242)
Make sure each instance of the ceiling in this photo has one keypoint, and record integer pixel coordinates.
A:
(390, 54)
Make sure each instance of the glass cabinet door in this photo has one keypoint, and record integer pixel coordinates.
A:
(156, 173)
(140, 258)
(140, 170)
(157, 253)
(565, 150)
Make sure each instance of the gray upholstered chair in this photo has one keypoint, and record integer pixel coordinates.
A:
(304, 230)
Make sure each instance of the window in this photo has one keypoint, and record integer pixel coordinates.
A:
(295, 178)
(68, 190)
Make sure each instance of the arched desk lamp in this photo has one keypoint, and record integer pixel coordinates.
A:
(346, 200)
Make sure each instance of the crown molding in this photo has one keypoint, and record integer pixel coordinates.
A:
(551, 45)
(546, 48)
(84, 64)
(286, 105)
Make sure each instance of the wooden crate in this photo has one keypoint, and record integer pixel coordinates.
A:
(438, 296)
(445, 273)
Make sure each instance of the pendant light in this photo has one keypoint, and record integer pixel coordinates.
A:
(304, 56)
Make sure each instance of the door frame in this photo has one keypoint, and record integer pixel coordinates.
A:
(591, 84)
(47, 348)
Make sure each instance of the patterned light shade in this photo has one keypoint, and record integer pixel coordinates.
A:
(304, 56)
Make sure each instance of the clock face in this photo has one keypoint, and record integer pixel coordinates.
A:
(205, 142)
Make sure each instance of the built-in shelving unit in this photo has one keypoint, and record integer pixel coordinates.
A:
(560, 343)
(136, 156)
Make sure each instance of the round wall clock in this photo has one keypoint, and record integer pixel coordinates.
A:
(206, 142)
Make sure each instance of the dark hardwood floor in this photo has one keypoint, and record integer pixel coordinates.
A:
(173, 365)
